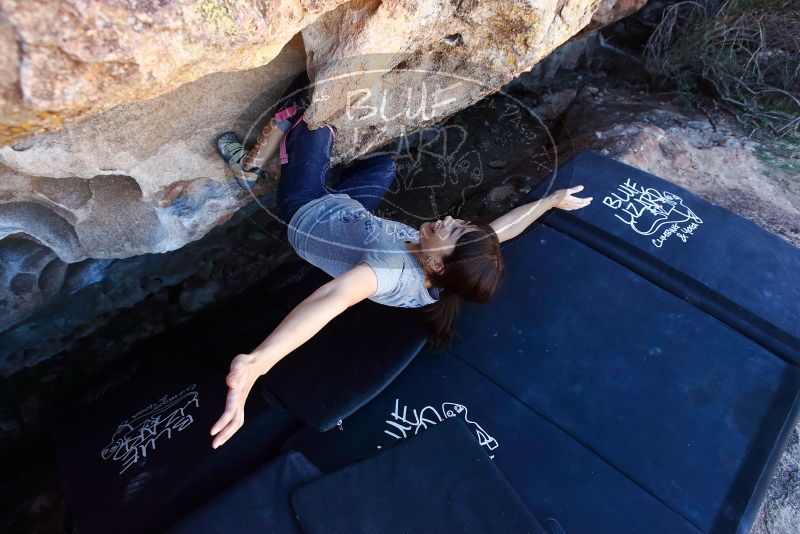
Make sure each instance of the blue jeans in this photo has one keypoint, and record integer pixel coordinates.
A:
(304, 177)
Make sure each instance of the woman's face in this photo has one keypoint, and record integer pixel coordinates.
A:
(438, 238)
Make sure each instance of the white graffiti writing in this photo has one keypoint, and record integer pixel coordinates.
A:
(403, 423)
(360, 103)
(687, 231)
(647, 211)
(134, 438)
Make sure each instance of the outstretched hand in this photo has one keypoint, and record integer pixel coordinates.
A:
(564, 199)
(240, 381)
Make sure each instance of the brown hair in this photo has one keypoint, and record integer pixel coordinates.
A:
(474, 271)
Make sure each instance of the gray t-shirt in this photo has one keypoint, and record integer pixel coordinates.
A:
(336, 233)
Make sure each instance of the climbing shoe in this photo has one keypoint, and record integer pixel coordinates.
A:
(233, 153)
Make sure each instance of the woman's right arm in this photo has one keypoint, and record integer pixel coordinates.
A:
(305, 320)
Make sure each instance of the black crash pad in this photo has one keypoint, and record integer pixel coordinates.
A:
(348, 362)
(438, 481)
(345, 365)
(260, 503)
(554, 474)
(320, 383)
(722, 263)
(139, 457)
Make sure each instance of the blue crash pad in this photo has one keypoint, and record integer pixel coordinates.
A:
(658, 339)
(259, 503)
(722, 263)
(637, 373)
(437, 481)
(684, 405)
(554, 474)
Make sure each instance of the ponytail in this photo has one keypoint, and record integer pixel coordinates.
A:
(440, 319)
(474, 271)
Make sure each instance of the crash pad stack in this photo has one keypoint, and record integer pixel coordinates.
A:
(638, 372)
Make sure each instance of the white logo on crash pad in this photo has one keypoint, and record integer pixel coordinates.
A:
(134, 438)
(403, 423)
(650, 212)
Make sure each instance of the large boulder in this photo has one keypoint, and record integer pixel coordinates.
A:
(129, 96)
(65, 59)
(141, 177)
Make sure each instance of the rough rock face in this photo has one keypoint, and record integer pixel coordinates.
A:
(780, 513)
(408, 65)
(70, 58)
(610, 10)
(142, 177)
(129, 167)
(67, 59)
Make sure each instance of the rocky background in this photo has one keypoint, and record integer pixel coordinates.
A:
(107, 164)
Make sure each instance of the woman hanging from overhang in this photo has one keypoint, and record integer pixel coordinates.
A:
(369, 257)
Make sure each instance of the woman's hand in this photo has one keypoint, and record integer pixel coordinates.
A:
(564, 199)
(240, 380)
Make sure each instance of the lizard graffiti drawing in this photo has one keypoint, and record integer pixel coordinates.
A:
(135, 437)
(404, 423)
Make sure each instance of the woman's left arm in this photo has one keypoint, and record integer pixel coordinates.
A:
(513, 223)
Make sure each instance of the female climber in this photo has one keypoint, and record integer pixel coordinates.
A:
(369, 257)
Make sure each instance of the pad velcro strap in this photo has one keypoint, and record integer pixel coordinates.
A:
(284, 154)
